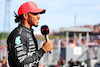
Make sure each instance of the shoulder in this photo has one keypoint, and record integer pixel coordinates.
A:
(15, 33)
(17, 36)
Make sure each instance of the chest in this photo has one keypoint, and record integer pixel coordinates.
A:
(31, 43)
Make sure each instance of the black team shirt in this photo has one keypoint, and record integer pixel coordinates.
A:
(23, 48)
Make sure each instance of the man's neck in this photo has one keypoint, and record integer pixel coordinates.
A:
(26, 24)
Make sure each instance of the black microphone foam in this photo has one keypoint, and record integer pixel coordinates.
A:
(44, 30)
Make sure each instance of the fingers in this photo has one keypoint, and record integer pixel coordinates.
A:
(48, 42)
(47, 46)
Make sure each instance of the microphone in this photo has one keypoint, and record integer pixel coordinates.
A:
(45, 31)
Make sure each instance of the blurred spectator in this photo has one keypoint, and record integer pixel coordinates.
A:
(75, 64)
(63, 42)
(63, 63)
(4, 63)
(72, 43)
(40, 65)
(83, 42)
(0, 64)
(55, 43)
(58, 64)
(72, 63)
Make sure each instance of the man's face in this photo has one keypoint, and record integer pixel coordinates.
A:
(33, 19)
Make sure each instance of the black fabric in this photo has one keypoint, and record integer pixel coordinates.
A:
(23, 48)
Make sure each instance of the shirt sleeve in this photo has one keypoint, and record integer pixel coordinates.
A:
(21, 51)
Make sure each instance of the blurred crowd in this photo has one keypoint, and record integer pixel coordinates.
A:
(95, 28)
(71, 63)
(93, 41)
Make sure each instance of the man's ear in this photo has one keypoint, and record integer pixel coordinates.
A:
(25, 16)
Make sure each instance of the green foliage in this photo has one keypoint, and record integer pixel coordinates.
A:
(51, 37)
(3, 35)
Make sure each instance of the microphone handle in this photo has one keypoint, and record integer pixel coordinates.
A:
(47, 38)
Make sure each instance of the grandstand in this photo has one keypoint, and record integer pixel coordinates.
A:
(84, 53)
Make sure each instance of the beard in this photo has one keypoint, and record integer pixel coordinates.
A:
(35, 25)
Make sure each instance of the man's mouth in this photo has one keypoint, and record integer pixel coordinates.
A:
(37, 21)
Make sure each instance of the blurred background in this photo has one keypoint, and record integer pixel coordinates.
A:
(74, 31)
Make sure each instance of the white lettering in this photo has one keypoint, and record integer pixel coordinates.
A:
(32, 46)
(19, 48)
(31, 42)
(30, 54)
(19, 45)
(22, 58)
(32, 49)
(21, 53)
(30, 39)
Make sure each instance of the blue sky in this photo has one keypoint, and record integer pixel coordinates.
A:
(59, 13)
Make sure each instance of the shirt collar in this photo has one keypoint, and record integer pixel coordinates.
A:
(26, 29)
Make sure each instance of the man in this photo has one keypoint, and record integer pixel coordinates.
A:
(22, 44)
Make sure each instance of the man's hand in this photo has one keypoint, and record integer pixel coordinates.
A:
(47, 46)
